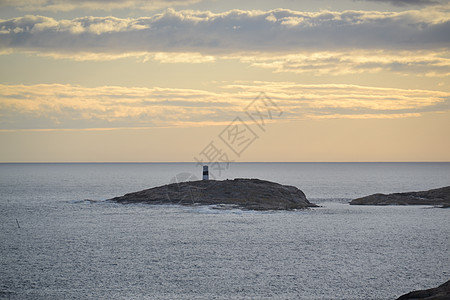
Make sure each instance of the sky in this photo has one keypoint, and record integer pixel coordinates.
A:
(222, 81)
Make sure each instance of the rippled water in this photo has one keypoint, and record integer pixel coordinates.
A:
(67, 248)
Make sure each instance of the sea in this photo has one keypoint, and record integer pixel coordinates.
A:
(59, 239)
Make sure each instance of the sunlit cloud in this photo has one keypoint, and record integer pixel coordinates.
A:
(326, 98)
(105, 5)
(55, 106)
(69, 106)
(366, 116)
(318, 63)
(192, 58)
(417, 63)
(162, 57)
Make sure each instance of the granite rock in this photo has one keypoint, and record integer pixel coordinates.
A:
(440, 196)
(253, 194)
(441, 292)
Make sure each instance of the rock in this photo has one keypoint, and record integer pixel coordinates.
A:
(441, 292)
(251, 194)
(440, 196)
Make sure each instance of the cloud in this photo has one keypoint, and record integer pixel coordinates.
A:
(162, 57)
(105, 5)
(235, 31)
(417, 63)
(323, 99)
(318, 63)
(192, 58)
(56, 106)
(407, 2)
(68, 106)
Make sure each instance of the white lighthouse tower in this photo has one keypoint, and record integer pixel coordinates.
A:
(205, 173)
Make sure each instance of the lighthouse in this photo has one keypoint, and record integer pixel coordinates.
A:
(205, 173)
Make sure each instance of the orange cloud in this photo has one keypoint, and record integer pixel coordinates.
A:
(47, 106)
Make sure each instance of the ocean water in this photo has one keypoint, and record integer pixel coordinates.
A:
(71, 248)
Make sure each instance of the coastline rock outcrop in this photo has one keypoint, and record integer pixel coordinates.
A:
(252, 194)
(440, 196)
(441, 292)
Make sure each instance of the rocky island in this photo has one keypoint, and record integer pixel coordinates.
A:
(252, 194)
(441, 292)
(440, 196)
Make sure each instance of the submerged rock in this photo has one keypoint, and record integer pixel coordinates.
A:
(251, 194)
(441, 292)
(440, 196)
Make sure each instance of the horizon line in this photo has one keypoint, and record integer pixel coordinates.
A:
(194, 162)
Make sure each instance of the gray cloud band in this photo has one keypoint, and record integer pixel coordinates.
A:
(406, 2)
(105, 5)
(234, 31)
(108, 5)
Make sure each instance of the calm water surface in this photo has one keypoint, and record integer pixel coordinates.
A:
(68, 248)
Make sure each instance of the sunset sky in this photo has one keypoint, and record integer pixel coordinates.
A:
(166, 80)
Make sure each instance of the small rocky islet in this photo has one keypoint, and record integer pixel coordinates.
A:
(257, 194)
(437, 197)
(252, 194)
(441, 292)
